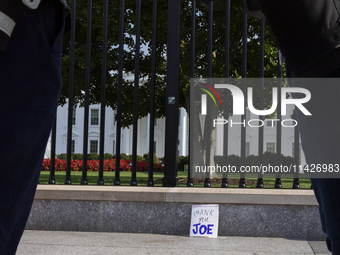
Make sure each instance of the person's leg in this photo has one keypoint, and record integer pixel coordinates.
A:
(30, 84)
(320, 139)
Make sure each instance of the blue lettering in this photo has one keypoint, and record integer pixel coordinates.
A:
(196, 229)
(204, 229)
(210, 229)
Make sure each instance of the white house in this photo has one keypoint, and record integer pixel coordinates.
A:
(287, 148)
(110, 133)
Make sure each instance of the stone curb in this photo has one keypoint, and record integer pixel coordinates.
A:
(246, 196)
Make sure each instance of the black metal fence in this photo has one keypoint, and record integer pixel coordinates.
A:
(174, 61)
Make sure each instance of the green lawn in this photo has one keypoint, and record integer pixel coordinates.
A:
(142, 178)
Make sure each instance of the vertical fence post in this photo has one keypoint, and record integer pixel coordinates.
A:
(133, 181)
(226, 93)
(190, 182)
(244, 89)
(87, 91)
(171, 113)
(150, 181)
(70, 93)
(119, 91)
(103, 96)
(208, 120)
(278, 184)
(53, 142)
(259, 183)
(296, 183)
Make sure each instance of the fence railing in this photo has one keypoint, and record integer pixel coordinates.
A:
(212, 42)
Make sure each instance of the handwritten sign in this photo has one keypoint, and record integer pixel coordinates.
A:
(204, 220)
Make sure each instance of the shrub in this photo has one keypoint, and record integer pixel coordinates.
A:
(234, 160)
(161, 160)
(107, 156)
(140, 158)
(78, 156)
(219, 160)
(62, 156)
(269, 158)
(124, 156)
(252, 160)
(155, 158)
(182, 160)
(92, 156)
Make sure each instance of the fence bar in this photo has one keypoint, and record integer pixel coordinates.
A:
(87, 91)
(190, 181)
(244, 89)
(226, 92)
(133, 181)
(51, 180)
(103, 96)
(171, 123)
(278, 184)
(119, 90)
(208, 129)
(261, 129)
(70, 93)
(296, 182)
(152, 95)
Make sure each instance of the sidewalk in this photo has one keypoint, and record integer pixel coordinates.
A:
(86, 243)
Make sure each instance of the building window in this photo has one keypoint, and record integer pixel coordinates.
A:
(155, 122)
(93, 146)
(154, 147)
(293, 151)
(74, 117)
(247, 149)
(94, 117)
(73, 146)
(271, 147)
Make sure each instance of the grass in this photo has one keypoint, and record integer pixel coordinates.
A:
(142, 178)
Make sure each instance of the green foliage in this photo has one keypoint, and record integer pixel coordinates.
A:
(235, 49)
(234, 160)
(161, 160)
(219, 160)
(155, 158)
(107, 156)
(124, 156)
(93, 156)
(78, 156)
(140, 158)
(62, 156)
(252, 160)
(269, 158)
(182, 160)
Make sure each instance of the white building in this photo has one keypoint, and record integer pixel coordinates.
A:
(287, 148)
(110, 133)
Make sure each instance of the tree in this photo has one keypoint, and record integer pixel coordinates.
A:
(145, 56)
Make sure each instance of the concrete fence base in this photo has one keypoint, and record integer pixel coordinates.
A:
(242, 212)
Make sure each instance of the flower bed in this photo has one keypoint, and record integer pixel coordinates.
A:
(93, 165)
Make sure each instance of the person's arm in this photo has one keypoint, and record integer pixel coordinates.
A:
(10, 11)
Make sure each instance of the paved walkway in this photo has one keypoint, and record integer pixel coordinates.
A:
(86, 243)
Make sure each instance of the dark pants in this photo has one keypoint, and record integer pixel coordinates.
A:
(320, 137)
(30, 84)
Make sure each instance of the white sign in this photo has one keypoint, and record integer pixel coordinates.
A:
(204, 220)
